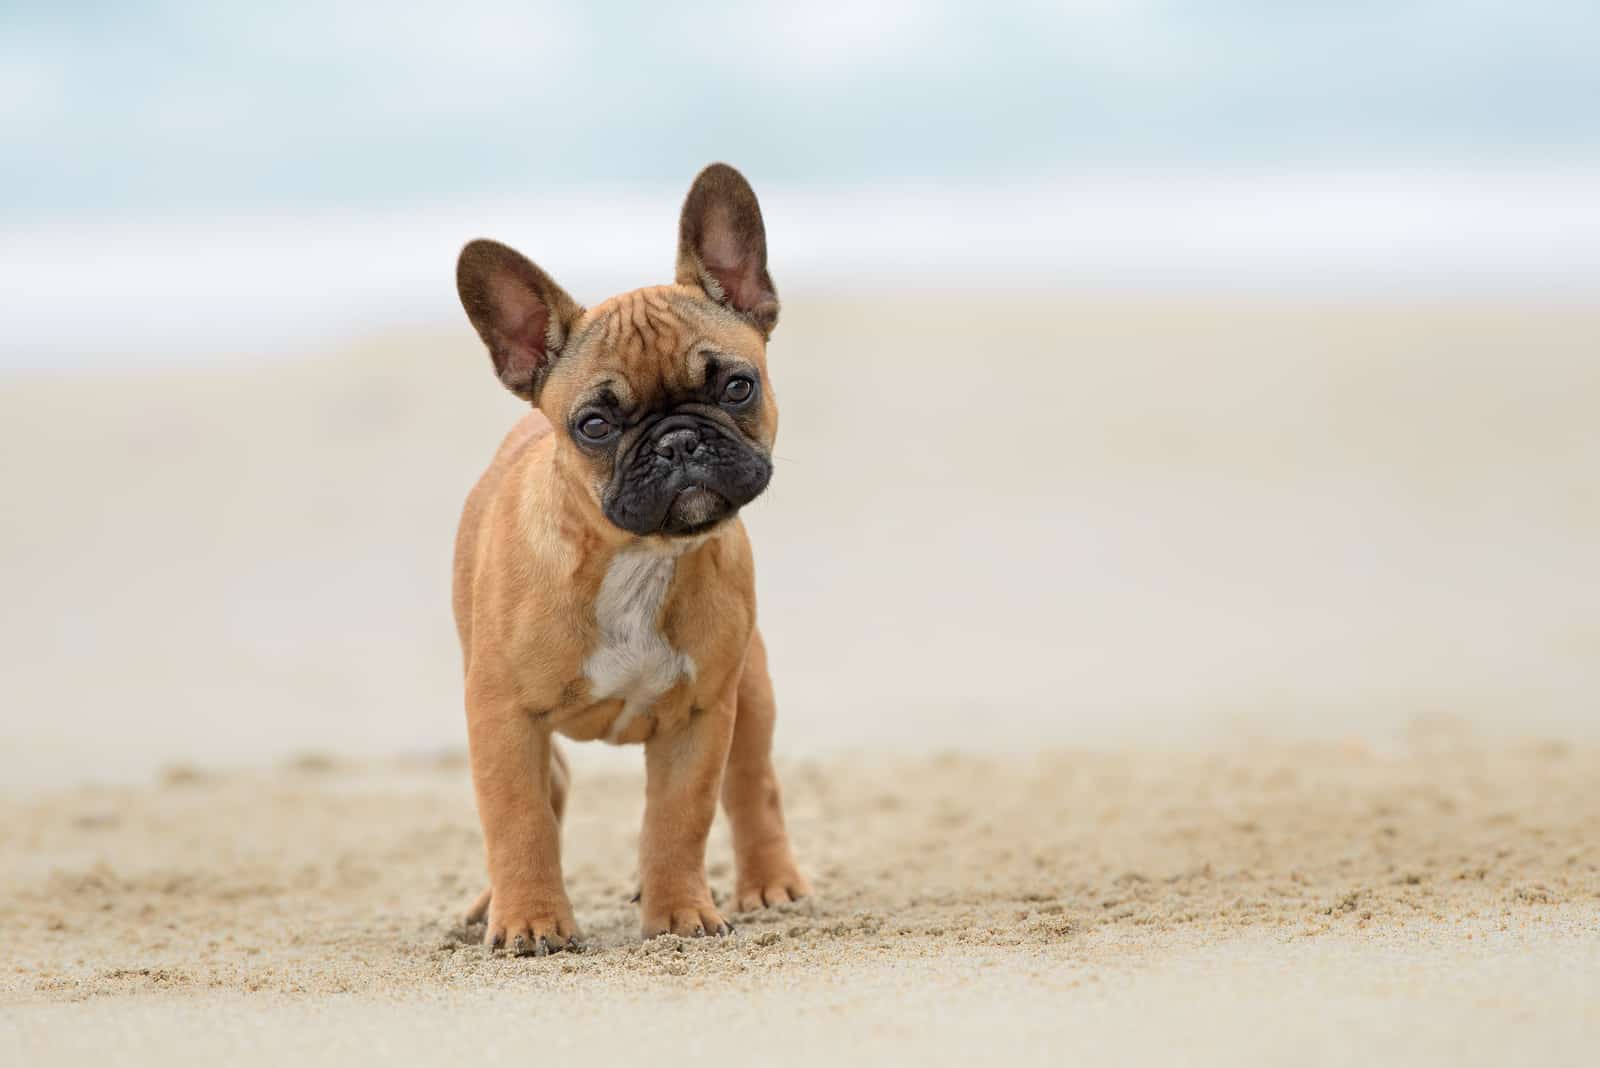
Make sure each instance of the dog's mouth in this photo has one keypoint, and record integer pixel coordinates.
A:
(695, 510)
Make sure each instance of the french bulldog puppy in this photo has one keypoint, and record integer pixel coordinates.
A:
(604, 586)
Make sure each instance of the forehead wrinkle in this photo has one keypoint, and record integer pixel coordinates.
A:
(667, 335)
(700, 310)
(718, 327)
(634, 344)
(655, 342)
(601, 325)
(653, 337)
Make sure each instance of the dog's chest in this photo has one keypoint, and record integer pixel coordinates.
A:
(633, 660)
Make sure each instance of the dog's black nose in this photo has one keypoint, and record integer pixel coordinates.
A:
(679, 443)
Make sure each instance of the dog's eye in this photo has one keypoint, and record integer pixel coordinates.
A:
(738, 390)
(594, 427)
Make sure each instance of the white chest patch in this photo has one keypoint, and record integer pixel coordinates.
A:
(633, 660)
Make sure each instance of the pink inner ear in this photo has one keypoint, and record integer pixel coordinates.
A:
(732, 266)
(718, 246)
(521, 322)
(739, 286)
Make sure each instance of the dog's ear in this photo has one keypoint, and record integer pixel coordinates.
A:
(522, 316)
(722, 246)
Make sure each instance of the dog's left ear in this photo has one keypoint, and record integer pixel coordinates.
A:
(722, 246)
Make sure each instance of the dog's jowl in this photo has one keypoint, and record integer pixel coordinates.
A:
(604, 587)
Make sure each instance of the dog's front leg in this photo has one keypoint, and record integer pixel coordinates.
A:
(511, 774)
(683, 773)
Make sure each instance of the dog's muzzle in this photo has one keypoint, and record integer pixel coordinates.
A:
(682, 476)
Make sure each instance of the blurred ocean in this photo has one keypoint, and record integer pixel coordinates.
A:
(76, 294)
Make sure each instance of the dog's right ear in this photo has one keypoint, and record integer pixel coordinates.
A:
(522, 316)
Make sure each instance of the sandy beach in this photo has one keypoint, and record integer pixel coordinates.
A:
(1320, 903)
(1160, 681)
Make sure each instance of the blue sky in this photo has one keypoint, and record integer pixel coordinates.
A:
(177, 109)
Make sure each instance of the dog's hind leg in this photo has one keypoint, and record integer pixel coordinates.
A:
(560, 782)
(766, 871)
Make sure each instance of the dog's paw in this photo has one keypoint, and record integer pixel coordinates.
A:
(531, 930)
(687, 919)
(760, 889)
